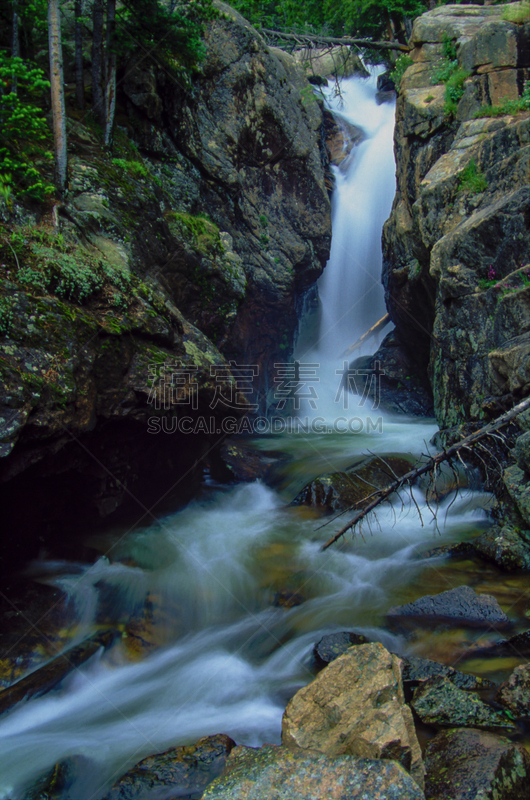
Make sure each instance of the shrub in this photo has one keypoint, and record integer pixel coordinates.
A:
(471, 179)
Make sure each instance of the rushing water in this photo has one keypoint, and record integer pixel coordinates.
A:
(202, 584)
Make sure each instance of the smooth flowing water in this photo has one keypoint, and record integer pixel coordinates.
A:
(209, 648)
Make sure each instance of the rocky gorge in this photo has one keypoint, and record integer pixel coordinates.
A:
(84, 365)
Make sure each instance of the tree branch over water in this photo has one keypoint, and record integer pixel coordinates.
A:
(429, 466)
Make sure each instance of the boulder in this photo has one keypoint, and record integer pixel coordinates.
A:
(514, 693)
(516, 482)
(277, 773)
(522, 451)
(415, 670)
(356, 705)
(334, 645)
(474, 765)
(178, 772)
(505, 546)
(439, 702)
(460, 606)
(337, 491)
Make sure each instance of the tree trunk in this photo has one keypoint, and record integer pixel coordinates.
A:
(110, 72)
(98, 106)
(57, 94)
(15, 49)
(79, 83)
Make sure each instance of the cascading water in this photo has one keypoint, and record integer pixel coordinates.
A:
(226, 658)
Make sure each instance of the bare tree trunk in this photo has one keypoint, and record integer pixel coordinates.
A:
(79, 83)
(57, 94)
(97, 62)
(15, 48)
(110, 72)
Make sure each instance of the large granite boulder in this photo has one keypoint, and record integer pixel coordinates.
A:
(356, 705)
(276, 772)
(468, 764)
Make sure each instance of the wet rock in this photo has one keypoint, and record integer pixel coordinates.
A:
(469, 764)
(236, 463)
(504, 546)
(337, 491)
(518, 645)
(334, 645)
(439, 702)
(56, 783)
(460, 606)
(341, 138)
(182, 772)
(275, 772)
(514, 693)
(52, 673)
(356, 705)
(287, 599)
(415, 670)
(516, 482)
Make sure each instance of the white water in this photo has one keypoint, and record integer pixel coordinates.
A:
(228, 659)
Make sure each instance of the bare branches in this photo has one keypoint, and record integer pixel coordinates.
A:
(304, 40)
(431, 464)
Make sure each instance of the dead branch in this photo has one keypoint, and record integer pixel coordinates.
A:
(305, 41)
(368, 335)
(432, 462)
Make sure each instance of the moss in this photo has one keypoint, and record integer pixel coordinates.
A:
(471, 180)
(200, 232)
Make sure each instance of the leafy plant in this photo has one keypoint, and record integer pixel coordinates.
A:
(25, 133)
(506, 106)
(452, 76)
(403, 62)
(472, 180)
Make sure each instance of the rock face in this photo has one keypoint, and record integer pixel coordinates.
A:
(173, 257)
(356, 706)
(437, 701)
(276, 773)
(467, 764)
(514, 693)
(456, 247)
(460, 606)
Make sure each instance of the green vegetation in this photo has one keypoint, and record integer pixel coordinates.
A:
(471, 180)
(24, 147)
(517, 12)
(403, 62)
(507, 106)
(452, 76)
(198, 230)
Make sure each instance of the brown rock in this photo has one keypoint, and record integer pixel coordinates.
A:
(356, 705)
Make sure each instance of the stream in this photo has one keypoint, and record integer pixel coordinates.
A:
(217, 654)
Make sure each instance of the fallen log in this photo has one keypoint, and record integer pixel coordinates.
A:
(432, 462)
(310, 41)
(368, 335)
(49, 675)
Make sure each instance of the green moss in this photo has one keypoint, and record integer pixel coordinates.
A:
(200, 232)
(471, 180)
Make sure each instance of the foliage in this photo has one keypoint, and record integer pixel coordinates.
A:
(471, 180)
(200, 232)
(403, 62)
(517, 12)
(45, 262)
(136, 168)
(452, 76)
(506, 106)
(25, 132)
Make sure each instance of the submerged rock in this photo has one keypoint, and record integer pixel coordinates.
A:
(471, 765)
(415, 670)
(334, 645)
(273, 772)
(180, 772)
(460, 606)
(439, 702)
(514, 693)
(356, 706)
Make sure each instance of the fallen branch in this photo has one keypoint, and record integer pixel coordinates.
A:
(308, 41)
(369, 333)
(431, 463)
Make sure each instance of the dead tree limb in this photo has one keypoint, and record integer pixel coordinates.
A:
(431, 463)
(307, 41)
(368, 335)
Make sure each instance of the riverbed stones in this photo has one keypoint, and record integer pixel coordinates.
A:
(178, 772)
(514, 693)
(505, 546)
(334, 645)
(439, 702)
(460, 606)
(356, 705)
(276, 773)
(469, 764)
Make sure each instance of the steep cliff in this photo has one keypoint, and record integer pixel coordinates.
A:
(184, 248)
(457, 247)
